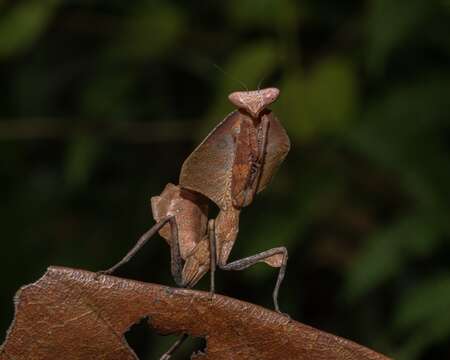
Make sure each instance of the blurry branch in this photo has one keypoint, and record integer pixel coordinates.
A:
(121, 131)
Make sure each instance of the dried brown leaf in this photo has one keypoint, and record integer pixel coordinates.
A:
(70, 314)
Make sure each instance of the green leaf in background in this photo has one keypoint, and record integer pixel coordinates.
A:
(424, 338)
(109, 97)
(387, 252)
(280, 14)
(321, 101)
(389, 24)
(428, 300)
(446, 5)
(81, 156)
(23, 24)
(424, 311)
(399, 132)
(150, 31)
(377, 262)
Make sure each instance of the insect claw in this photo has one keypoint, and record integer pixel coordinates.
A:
(99, 273)
(284, 314)
(104, 272)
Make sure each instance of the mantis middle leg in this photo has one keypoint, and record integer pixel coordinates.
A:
(268, 256)
(224, 236)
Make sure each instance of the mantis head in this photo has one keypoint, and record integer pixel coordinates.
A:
(254, 102)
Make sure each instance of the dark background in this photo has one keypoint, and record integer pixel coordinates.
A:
(101, 101)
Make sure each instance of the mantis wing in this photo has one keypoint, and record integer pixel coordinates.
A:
(277, 147)
(208, 170)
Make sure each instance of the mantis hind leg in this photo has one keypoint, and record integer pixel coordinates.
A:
(135, 249)
(174, 347)
(176, 265)
(176, 260)
(271, 257)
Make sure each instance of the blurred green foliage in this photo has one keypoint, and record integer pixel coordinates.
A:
(102, 101)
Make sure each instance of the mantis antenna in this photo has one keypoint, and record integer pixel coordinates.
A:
(230, 76)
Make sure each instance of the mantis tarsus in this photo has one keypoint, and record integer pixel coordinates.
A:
(233, 163)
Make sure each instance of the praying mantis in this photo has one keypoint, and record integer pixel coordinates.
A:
(233, 163)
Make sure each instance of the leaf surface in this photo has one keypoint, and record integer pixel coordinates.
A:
(71, 314)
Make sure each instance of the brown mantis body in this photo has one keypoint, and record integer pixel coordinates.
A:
(234, 162)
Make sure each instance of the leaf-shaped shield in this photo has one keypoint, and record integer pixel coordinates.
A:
(213, 165)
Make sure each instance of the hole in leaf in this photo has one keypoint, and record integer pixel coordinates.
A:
(147, 344)
(198, 344)
(140, 337)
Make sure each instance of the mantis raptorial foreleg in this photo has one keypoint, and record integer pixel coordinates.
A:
(176, 260)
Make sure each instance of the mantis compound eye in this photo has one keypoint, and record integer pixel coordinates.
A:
(270, 95)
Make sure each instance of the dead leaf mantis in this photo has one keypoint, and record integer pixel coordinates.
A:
(232, 164)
